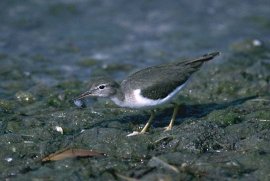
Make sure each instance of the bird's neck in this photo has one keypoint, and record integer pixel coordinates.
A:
(118, 98)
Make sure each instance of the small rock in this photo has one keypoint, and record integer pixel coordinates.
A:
(247, 45)
(25, 97)
(59, 129)
(79, 103)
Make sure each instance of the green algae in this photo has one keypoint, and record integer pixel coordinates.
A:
(7, 106)
(225, 117)
(262, 115)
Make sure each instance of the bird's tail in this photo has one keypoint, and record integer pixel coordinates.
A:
(203, 58)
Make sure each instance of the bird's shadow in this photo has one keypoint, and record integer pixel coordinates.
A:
(197, 110)
(185, 111)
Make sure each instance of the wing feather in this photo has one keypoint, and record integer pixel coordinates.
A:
(158, 81)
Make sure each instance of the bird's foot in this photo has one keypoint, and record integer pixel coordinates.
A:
(135, 133)
(168, 128)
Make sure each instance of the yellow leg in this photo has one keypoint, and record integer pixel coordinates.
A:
(146, 127)
(175, 110)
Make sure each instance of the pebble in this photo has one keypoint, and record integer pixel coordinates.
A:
(79, 103)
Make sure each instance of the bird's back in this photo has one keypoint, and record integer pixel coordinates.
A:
(158, 81)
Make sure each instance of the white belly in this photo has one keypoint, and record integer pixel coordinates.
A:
(137, 101)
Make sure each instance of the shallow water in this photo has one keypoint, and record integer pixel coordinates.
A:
(50, 49)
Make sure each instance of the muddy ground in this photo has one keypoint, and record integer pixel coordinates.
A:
(49, 50)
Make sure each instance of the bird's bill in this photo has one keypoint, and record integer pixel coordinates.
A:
(84, 95)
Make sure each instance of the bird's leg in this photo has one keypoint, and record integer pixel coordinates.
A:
(175, 110)
(146, 127)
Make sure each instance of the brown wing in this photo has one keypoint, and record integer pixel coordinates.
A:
(158, 81)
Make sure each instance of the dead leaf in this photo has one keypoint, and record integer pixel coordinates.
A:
(71, 153)
(125, 177)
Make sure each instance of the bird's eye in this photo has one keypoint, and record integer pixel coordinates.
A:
(101, 86)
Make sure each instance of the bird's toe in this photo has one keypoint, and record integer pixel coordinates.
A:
(168, 128)
(134, 133)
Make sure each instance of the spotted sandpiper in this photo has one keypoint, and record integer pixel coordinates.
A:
(148, 88)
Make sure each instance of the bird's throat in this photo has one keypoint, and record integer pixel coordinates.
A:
(118, 98)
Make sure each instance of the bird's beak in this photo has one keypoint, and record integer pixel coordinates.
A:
(83, 95)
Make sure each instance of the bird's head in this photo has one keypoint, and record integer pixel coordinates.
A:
(101, 87)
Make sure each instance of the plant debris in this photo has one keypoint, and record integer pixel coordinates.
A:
(71, 153)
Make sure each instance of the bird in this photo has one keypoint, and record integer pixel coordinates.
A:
(148, 88)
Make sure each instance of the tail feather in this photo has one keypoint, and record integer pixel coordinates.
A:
(204, 58)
